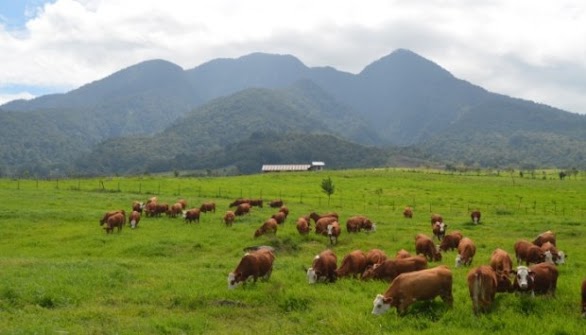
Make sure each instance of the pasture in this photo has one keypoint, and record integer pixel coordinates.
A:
(61, 273)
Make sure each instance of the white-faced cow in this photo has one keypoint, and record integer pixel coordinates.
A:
(537, 279)
(134, 219)
(475, 216)
(323, 268)
(439, 230)
(256, 264)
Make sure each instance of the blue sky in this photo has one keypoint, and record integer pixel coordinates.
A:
(529, 49)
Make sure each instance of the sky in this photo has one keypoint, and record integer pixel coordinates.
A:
(530, 49)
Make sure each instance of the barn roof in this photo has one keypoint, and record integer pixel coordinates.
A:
(285, 167)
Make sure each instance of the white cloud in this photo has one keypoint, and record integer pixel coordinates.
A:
(4, 98)
(528, 49)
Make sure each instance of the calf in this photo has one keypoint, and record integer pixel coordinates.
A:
(134, 219)
(414, 286)
(466, 252)
(537, 279)
(353, 264)
(439, 230)
(451, 241)
(302, 226)
(547, 236)
(390, 269)
(191, 215)
(424, 246)
(269, 226)
(323, 268)
(229, 218)
(256, 264)
(482, 285)
(528, 252)
(475, 216)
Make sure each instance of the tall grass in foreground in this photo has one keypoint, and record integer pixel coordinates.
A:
(60, 273)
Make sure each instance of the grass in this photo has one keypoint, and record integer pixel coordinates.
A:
(60, 272)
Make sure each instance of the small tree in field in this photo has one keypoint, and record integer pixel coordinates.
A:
(328, 187)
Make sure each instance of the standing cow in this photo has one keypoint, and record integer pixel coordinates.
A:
(115, 220)
(323, 268)
(424, 246)
(482, 285)
(528, 252)
(475, 216)
(408, 212)
(537, 279)
(269, 226)
(352, 265)
(208, 207)
(134, 219)
(466, 252)
(191, 215)
(256, 264)
(229, 218)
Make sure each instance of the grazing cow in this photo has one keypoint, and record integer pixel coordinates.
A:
(175, 210)
(439, 230)
(285, 210)
(482, 284)
(276, 203)
(547, 236)
(239, 201)
(334, 231)
(151, 208)
(424, 246)
(316, 217)
(375, 256)
(208, 207)
(256, 264)
(390, 269)
(137, 206)
(323, 268)
(501, 263)
(584, 298)
(436, 218)
(255, 203)
(104, 218)
(352, 265)
(115, 220)
(528, 252)
(269, 226)
(321, 225)
(242, 209)
(402, 254)
(134, 219)
(356, 223)
(466, 252)
(410, 287)
(408, 212)
(451, 241)
(183, 203)
(229, 218)
(302, 226)
(475, 216)
(191, 215)
(551, 252)
(279, 217)
(537, 279)
(161, 208)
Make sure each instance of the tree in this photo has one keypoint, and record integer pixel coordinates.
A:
(328, 187)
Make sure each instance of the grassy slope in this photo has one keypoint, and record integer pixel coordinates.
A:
(60, 272)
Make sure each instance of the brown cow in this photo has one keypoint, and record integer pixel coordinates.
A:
(161, 208)
(439, 230)
(229, 218)
(175, 209)
(302, 226)
(466, 252)
(285, 210)
(323, 268)
(390, 268)
(192, 215)
(356, 223)
(408, 212)
(528, 252)
(537, 279)
(256, 264)
(134, 219)
(151, 208)
(269, 226)
(550, 252)
(451, 241)
(321, 225)
(475, 216)
(104, 218)
(255, 202)
(375, 256)
(115, 220)
(276, 203)
(279, 217)
(482, 285)
(334, 231)
(239, 201)
(137, 206)
(353, 264)
(436, 218)
(242, 209)
(183, 203)
(501, 263)
(208, 207)
(316, 217)
(424, 246)
(547, 236)
(410, 287)
(402, 254)
(584, 298)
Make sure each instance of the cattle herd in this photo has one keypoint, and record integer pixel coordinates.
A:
(409, 276)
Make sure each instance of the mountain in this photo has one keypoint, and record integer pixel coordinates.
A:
(148, 116)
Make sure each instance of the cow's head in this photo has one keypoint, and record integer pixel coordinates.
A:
(458, 261)
(380, 304)
(311, 276)
(524, 278)
(133, 224)
(561, 258)
(233, 279)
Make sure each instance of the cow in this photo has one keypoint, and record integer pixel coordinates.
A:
(256, 264)
(551, 252)
(175, 209)
(279, 217)
(501, 263)
(466, 252)
(375, 256)
(115, 220)
(436, 218)
(161, 208)
(151, 208)
(256, 203)
(183, 203)
(191, 215)
(137, 206)
(208, 207)
(134, 219)
(547, 236)
(439, 230)
(402, 254)
(323, 268)
(229, 218)
(302, 226)
(391, 268)
(284, 209)
(269, 226)
(242, 209)
(106, 215)
(482, 285)
(276, 203)
(359, 222)
(424, 246)
(408, 212)
(353, 264)
(475, 216)
(334, 231)
(584, 298)
(528, 252)
(239, 201)
(451, 241)
(536, 279)
(410, 287)
(315, 217)
(321, 225)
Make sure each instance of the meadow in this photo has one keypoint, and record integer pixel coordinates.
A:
(60, 273)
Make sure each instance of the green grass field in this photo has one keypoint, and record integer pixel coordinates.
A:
(60, 273)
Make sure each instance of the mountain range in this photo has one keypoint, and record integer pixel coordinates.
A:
(237, 114)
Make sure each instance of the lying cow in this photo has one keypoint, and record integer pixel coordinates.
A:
(410, 287)
(451, 241)
(256, 264)
(466, 252)
(528, 252)
(482, 285)
(323, 268)
(537, 279)
(390, 269)
(353, 264)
